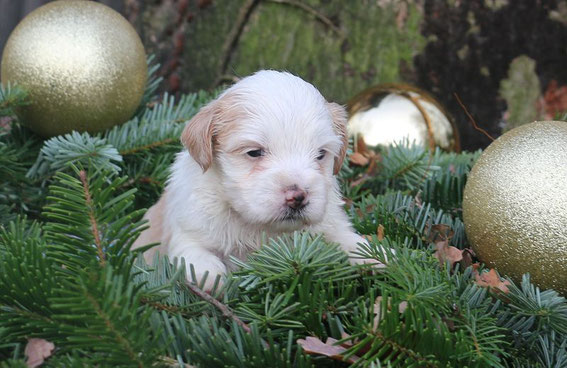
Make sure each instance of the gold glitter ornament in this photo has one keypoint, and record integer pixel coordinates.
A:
(82, 64)
(515, 204)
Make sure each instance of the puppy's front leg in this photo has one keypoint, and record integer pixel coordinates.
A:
(203, 260)
(337, 229)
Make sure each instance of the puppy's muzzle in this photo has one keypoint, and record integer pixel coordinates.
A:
(295, 197)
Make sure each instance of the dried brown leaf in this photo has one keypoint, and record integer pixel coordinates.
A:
(440, 232)
(447, 253)
(491, 280)
(37, 350)
(418, 201)
(378, 310)
(358, 159)
(468, 257)
(314, 346)
(380, 232)
(360, 146)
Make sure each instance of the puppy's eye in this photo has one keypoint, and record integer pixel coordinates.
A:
(321, 155)
(255, 153)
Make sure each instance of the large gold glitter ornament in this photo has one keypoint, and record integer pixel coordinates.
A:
(82, 64)
(389, 113)
(515, 204)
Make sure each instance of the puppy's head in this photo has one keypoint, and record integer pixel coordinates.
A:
(276, 144)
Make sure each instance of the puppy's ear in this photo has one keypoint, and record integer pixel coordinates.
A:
(198, 135)
(339, 116)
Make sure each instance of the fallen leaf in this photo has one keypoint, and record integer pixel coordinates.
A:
(37, 350)
(359, 181)
(380, 232)
(491, 280)
(468, 256)
(371, 170)
(378, 310)
(361, 147)
(358, 159)
(447, 253)
(440, 232)
(314, 346)
(418, 201)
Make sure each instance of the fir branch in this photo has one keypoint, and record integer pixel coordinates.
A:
(170, 362)
(533, 313)
(552, 350)
(159, 126)
(11, 96)
(88, 221)
(414, 356)
(148, 146)
(121, 340)
(152, 84)
(225, 310)
(92, 219)
(110, 315)
(27, 282)
(407, 164)
(62, 152)
(19, 195)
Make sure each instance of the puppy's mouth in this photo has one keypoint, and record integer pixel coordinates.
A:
(292, 215)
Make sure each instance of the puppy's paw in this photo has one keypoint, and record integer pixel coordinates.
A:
(205, 264)
(356, 259)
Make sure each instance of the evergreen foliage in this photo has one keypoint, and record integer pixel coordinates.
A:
(71, 207)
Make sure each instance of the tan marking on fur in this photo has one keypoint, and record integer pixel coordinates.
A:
(198, 135)
(155, 233)
(215, 119)
(339, 116)
(231, 115)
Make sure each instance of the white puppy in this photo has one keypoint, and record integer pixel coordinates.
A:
(259, 158)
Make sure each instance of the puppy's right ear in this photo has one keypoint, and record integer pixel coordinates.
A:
(339, 116)
(198, 135)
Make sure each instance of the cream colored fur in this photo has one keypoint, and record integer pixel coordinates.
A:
(219, 200)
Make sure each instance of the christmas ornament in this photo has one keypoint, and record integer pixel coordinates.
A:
(389, 113)
(82, 64)
(515, 204)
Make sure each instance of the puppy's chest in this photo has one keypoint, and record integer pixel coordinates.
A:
(240, 243)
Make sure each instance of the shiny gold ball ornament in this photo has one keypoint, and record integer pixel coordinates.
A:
(515, 204)
(390, 113)
(82, 64)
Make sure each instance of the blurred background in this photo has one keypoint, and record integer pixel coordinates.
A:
(505, 59)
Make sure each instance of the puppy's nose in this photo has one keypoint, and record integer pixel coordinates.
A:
(295, 198)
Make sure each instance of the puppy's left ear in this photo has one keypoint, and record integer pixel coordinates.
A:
(339, 116)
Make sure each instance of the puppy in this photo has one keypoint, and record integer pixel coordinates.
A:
(260, 159)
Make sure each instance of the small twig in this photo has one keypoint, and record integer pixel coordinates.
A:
(226, 311)
(320, 17)
(471, 118)
(142, 180)
(232, 39)
(160, 306)
(112, 328)
(147, 147)
(94, 225)
(170, 362)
